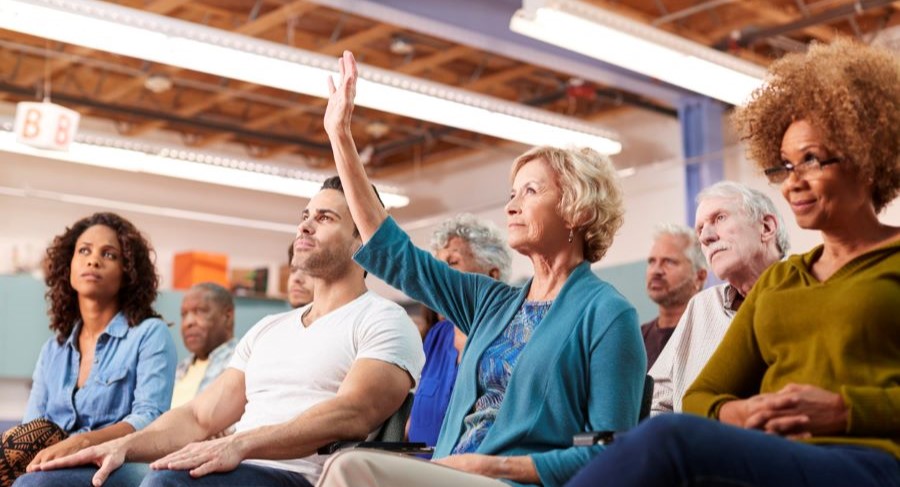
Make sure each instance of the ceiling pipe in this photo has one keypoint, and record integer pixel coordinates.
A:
(750, 35)
(323, 149)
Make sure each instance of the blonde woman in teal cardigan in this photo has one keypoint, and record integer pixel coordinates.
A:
(559, 356)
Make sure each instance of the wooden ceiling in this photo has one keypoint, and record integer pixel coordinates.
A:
(207, 110)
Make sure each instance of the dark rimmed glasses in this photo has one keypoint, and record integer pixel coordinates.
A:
(810, 168)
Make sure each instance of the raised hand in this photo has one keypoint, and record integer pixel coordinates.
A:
(340, 97)
(204, 457)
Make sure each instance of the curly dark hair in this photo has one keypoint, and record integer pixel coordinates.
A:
(850, 92)
(139, 278)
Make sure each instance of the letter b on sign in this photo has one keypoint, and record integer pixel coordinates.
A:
(45, 125)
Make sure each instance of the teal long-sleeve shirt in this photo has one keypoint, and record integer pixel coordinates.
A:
(582, 370)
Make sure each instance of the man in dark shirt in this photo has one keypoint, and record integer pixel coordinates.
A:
(676, 271)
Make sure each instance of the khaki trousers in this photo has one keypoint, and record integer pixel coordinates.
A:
(372, 468)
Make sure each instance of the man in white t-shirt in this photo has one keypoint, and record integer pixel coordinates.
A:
(334, 369)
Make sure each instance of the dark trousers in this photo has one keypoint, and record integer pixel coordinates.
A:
(682, 450)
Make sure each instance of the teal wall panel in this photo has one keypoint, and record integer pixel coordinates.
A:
(23, 324)
(23, 313)
(629, 280)
(23, 321)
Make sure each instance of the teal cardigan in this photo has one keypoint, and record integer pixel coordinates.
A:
(582, 370)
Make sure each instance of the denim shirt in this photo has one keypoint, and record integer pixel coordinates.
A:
(131, 378)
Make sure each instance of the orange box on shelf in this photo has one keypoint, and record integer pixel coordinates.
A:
(196, 267)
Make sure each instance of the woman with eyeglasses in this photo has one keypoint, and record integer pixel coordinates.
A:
(805, 385)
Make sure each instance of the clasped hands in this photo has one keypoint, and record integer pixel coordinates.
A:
(796, 411)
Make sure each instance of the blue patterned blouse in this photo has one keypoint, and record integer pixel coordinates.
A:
(494, 370)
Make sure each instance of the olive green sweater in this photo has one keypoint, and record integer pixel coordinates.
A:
(842, 335)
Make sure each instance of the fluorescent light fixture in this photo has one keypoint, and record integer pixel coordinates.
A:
(126, 155)
(617, 40)
(157, 38)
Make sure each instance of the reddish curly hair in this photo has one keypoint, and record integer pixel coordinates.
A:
(139, 278)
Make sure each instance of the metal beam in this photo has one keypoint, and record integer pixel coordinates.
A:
(199, 123)
(484, 25)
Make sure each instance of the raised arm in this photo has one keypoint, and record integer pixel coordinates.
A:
(364, 206)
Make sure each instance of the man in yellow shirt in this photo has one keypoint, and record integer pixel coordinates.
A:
(207, 328)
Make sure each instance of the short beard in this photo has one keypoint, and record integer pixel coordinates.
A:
(678, 296)
(327, 264)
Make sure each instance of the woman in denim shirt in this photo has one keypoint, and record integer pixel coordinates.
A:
(110, 368)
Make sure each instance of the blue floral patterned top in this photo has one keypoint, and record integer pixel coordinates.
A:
(494, 370)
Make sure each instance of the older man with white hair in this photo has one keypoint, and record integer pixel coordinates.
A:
(741, 234)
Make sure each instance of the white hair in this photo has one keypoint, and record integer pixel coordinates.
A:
(755, 204)
(484, 238)
(692, 250)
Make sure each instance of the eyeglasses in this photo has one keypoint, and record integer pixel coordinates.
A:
(810, 168)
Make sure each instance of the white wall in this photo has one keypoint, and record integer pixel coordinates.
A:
(27, 225)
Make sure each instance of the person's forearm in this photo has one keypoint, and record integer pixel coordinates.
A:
(517, 469)
(103, 435)
(367, 212)
(330, 421)
(171, 431)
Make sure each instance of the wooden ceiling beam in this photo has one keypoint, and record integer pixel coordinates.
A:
(215, 99)
(766, 11)
(276, 17)
(261, 24)
(491, 80)
(164, 6)
(645, 18)
(123, 88)
(434, 60)
(706, 38)
(354, 41)
(56, 65)
(208, 11)
(269, 119)
(373, 33)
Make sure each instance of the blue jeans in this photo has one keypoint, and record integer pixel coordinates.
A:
(129, 475)
(683, 450)
(246, 475)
